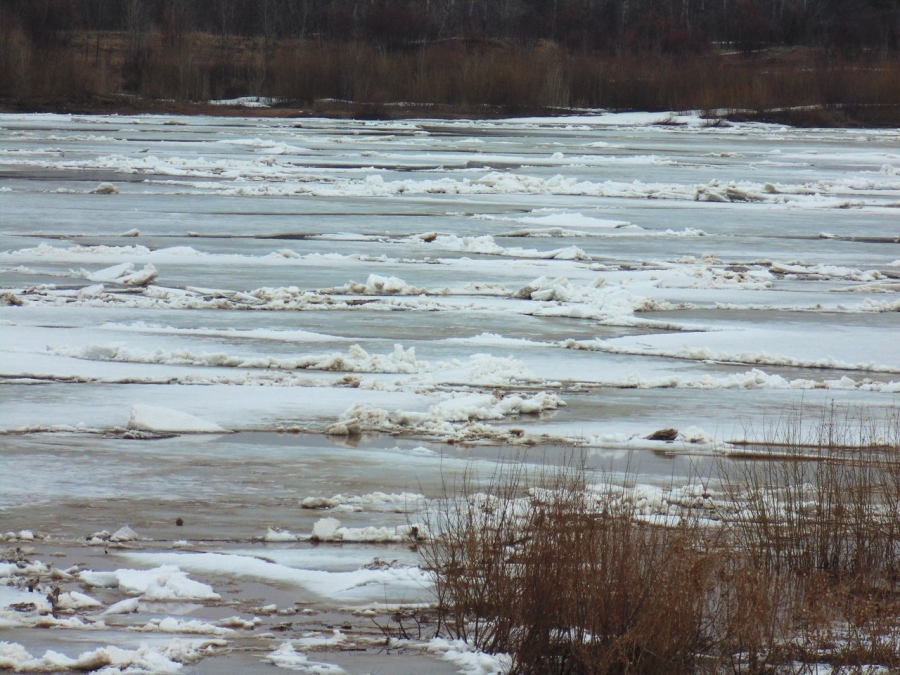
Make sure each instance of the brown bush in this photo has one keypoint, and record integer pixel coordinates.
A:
(568, 581)
(796, 565)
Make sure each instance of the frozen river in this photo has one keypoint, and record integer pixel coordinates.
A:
(262, 327)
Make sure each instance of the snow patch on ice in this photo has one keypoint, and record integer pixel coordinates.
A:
(287, 657)
(371, 584)
(167, 582)
(166, 420)
(278, 535)
(318, 640)
(356, 360)
(15, 601)
(458, 417)
(703, 353)
(377, 285)
(172, 624)
(274, 335)
(483, 369)
(74, 601)
(560, 297)
(162, 659)
(469, 659)
(127, 606)
(403, 502)
(572, 220)
(123, 274)
(491, 340)
(245, 101)
(804, 271)
(330, 529)
(485, 245)
(105, 189)
(124, 533)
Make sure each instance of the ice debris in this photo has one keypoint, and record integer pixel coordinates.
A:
(105, 189)
(166, 582)
(330, 529)
(287, 657)
(124, 274)
(165, 420)
(160, 659)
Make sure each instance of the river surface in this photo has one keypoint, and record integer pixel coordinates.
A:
(229, 334)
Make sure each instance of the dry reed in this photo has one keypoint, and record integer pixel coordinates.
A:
(480, 77)
(796, 565)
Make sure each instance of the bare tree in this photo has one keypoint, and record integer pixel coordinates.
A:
(225, 13)
(135, 20)
(99, 14)
(269, 12)
(179, 17)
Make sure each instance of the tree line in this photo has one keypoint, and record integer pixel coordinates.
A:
(835, 62)
(846, 27)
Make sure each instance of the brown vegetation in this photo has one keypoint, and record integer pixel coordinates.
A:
(836, 61)
(478, 79)
(158, 70)
(796, 563)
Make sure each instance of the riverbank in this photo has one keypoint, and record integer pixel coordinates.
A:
(832, 117)
(112, 72)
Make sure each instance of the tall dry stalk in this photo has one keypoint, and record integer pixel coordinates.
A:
(815, 520)
(798, 567)
(569, 580)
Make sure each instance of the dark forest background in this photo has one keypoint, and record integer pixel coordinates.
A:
(504, 54)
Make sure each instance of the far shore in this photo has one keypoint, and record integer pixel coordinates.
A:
(836, 116)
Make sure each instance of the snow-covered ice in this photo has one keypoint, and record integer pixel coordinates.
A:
(166, 582)
(287, 657)
(164, 659)
(155, 418)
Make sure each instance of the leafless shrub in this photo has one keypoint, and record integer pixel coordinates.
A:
(569, 580)
(797, 566)
(814, 521)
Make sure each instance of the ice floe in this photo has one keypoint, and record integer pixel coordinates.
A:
(166, 420)
(357, 585)
(287, 657)
(166, 582)
(163, 659)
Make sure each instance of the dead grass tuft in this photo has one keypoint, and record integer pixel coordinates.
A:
(569, 580)
(797, 564)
